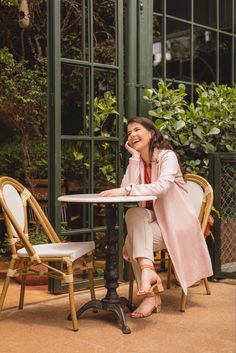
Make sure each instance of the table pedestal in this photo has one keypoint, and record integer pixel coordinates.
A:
(112, 302)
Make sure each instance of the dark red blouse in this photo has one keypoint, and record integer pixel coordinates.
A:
(147, 180)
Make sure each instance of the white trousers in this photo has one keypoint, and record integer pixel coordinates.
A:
(143, 238)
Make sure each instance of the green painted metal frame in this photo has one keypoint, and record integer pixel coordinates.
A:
(54, 111)
(138, 54)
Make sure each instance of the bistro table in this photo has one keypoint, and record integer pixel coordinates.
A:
(111, 302)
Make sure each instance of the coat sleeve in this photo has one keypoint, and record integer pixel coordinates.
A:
(132, 172)
(169, 168)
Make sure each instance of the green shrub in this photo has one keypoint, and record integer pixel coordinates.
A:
(23, 104)
(11, 160)
(194, 130)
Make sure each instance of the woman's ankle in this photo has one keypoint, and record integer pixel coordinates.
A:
(145, 263)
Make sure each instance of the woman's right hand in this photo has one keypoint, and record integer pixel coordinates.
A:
(131, 150)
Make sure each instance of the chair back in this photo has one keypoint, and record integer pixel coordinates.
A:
(14, 200)
(15, 205)
(200, 195)
(195, 195)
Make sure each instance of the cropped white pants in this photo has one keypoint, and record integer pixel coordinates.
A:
(143, 238)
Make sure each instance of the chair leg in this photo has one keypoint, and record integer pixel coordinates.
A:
(183, 302)
(170, 266)
(207, 286)
(72, 300)
(22, 289)
(131, 283)
(7, 282)
(4, 291)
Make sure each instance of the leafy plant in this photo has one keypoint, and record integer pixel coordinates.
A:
(11, 159)
(9, 2)
(194, 130)
(105, 114)
(5, 251)
(23, 103)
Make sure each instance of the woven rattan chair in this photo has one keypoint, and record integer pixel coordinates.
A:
(200, 194)
(74, 257)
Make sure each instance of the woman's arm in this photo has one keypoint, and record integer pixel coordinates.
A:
(168, 170)
(132, 172)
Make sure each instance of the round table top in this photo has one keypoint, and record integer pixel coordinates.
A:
(94, 198)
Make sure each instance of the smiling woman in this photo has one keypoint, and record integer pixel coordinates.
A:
(166, 223)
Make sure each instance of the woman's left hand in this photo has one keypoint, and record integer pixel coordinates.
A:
(113, 192)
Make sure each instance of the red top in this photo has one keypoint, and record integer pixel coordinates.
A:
(147, 180)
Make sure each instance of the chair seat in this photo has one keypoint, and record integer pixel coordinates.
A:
(74, 250)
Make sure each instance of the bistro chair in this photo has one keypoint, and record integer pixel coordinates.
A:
(200, 194)
(39, 189)
(73, 257)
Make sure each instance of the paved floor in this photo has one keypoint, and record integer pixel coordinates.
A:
(207, 326)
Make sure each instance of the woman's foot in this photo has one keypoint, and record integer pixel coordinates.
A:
(150, 281)
(150, 304)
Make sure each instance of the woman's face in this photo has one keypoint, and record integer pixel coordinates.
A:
(138, 137)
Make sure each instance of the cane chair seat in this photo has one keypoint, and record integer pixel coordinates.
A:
(71, 250)
(200, 195)
(61, 260)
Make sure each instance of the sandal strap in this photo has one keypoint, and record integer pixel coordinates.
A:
(142, 266)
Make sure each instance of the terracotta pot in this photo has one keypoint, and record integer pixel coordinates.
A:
(34, 280)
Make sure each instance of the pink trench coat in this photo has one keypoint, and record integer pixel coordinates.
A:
(177, 220)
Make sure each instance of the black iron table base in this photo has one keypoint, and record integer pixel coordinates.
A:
(112, 302)
(117, 308)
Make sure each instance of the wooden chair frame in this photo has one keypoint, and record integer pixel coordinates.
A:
(204, 213)
(69, 268)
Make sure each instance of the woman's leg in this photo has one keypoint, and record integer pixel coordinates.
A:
(143, 237)
(143, 234)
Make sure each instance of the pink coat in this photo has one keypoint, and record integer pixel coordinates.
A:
(176, 217)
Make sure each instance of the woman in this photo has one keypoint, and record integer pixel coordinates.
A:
(169, 222)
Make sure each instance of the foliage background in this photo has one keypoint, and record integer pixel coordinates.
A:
(195, 129)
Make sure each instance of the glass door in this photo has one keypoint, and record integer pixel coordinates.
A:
(85, 115)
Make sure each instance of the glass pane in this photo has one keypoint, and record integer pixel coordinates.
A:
(74, 98)
(226, 15)
(205, 12)
(157, 47)
(104, 31)
(105, 165)
(178, 50)
(204, 55)
(105, 103)
(104, 81)
(100, 253)
(157, 6)
(75, 169)
(225, 58)
(174, 8)
(75, 165)
(74, 29)
(99, 215)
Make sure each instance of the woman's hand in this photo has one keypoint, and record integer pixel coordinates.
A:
(113, 192)
(132, 151)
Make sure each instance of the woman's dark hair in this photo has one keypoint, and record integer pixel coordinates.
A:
(157, 139)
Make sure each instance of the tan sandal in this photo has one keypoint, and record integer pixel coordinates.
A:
(155, 287)
(136, 314)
